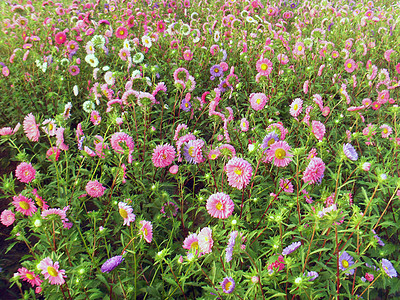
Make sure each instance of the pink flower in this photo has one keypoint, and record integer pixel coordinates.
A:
(296, 107)
(299, 48)
(286, 185)
(9, 130)
(318, 129)
(29, 276)
(258, 101)
(220, 205)
(386, 130)
(239, 172)
(60, 139)
(244, 125)
(24, 205)
(193, 152)
(51, 271)
(25, 172)
(264, 66)
(60, 38)
(121, 32)
(314, 171)
(398, 68)
(53, 151)
(213, 154)
(121, 138)
(39, 200)
(7, 217)
(146, 230)
(191, 242)
(95, 189)
(188, 55)
(126, 212)
(278, 153)
(31, 128)
(305, 87)
(163, 155)
(95, 117)
(174, 169)
(74, 70)
(205, 240)
(366, 166)
(350, 65)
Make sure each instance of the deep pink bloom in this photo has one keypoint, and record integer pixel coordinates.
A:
(74, 70)
(286, 185)
(95, 117)
(121, 138)
(29, 276)
(205, 240)
(25, 172)
(60, 38)
(174, 169)
(95, 189)
(314, 171)
(239, 172)
(31, 128)
(244, 124)
(126, 212)
(53, 151)
(24, 205)
(39, 200)
(220, 205)
(51, 271)
(7, 217)
(258, 101)
(163, 155)
(146, 230)
(318, 129)
(264, 66)
(279, 154)
(121, 32)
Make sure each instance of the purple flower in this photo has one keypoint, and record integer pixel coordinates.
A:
(388, 268)
(346, 261)
(380, 242)
(312, 275)
(292, 247)
(269, 139)
(186, 105)
(111, 264)
(228, 285)
(231, 244)
(216, 71)
(350, 152)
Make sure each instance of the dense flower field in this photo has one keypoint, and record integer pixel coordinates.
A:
(201, 149)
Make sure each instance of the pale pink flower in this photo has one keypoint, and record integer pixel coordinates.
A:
(126, 212)
(95, 189)
(174, 169)
(49, 127)
(296, 107)
(7, 217)
(95, 117)
(244, 124)
(146, 230)
(191, 242)
(314, 171)
(350, 65)
(305, 87)
(258, 101)
(31, 128)
(366, 166)
(220, 205)
(163, 155)
(286, 185)
(279, 154)
(239, 172)
(60, 139)
(213, 154)
(25, 172)
(318, 129)
(386, 130)
(205, 240)
(51, 271)
(9, 130)
(264, 66)
(67, 111)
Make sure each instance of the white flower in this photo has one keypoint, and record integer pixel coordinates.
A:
(127, 45)
(146, 40)
(88, 106)
(138, 58)
(109, 78)
(76, 90)
(136, 74)
(92, 60)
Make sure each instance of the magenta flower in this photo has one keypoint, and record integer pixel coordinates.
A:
(163, 155)
(314, 171)
(228, 285)
(264, 66)
(51, 271)
(31, 128)
(7, 217)
(258, 101)
(220, 205)
(24, 205)
(121, 32)
(29, 276)
(279, 154)
(350, 65)
(95, 189)
(146, 231)
(25, 172)
(318, 129)
(74, 70)
(239, 172)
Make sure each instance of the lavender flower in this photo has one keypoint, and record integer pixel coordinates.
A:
(346, 261)
(388, 268)
(292, 247)
(111, 264)
(231, 244)
(312, 275)
(228, 285)
(216, 71)
(350, 152)
(269, 139)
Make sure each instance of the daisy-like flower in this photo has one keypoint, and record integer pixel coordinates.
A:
(74, 70)
(191, 243)
(213, 154)
(7, 217)
(49, 127)
(60, 38)
(350, 152)
(25, 172)
(121, 32)
(279, 154)
(146, 40)
(298, 48)
(269, 139)
(386, 130)
(296, 107)
(95, 189)
(29, 276)
(318, 129)
(239, 172)
(146, 230)
(216, 71)
(120, 139)
(258, 101)
(220, 205)
(193, 151)
(9, 131)
(205, 240)
(388, 268)
(163, 155)
(39, 200)
(231, 244)
(228, 285)
(350, 65)
(95, 117)
(314, 171)
(291, 248)
(92, 60)
(51, 271)
(111, 264)
(67, 111)
(286, 185)
(124, 54)
(31, 128)
(264, 66)
(126, 212)
(345, 262)
(138, 58)
(24, 205)
(244, 124)
(312, 275)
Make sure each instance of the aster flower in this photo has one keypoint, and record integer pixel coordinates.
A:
(350, 152)
(191, 242)
(216, 71)
(388, 268)
(7, 217)
(95, 189)
(25, 172)
(286, 185)
(314, 171)
(31, 128)
(67, 111)
(386, 130)
(51, 271)
(121, 32)
(258, 101)
(231, 244)
(60, 38)
(95, 117)
(49, 127)
(244, 124)
(29, 276)
(121, 138)
(193, 151)
(205, 240)
(269, 139)
(291, 248)
(74, 70)
(24, 205)
(345, 262)
(312, 275)
(279, 154)
(239, 172)
(318, 129)
(350, 65)
(228, 285)
(126, 212)
(169, 209)
(39, 200)
(264, 66)
(111, 264)
(146, 231)
(163, 155)
(296, 107)
(220, 205)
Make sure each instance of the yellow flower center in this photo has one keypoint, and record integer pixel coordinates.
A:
(191, 151)
(244, 124)
(145, 231)
(349, 65)
(296, 106)
(228, 285)
(213, 156)
(123, 213)
(24, 205)
(194, 245)
(29, 276)
(385, 131)
(72, 46)
(39, 201)
(280, 153)
(121, 32)
(218, 206)
(345, 263)
(95, 117)
(53, 272)
(264, 67)
(26, 173)
(270, 142)
(366, 103)
(238, 171)
(299, 48)
(258, 101)
(164, 156)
